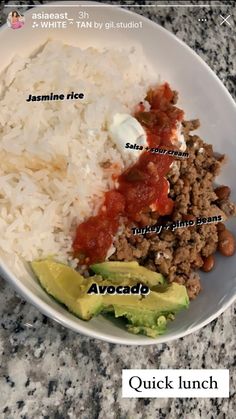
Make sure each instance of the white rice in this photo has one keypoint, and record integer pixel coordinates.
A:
(50, 174)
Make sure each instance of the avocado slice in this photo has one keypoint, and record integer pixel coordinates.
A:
(152, 331)
(68, 287)
(116, 271)
(149, 315)
(174, 299)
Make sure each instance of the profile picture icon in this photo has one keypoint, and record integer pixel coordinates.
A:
(15, 20)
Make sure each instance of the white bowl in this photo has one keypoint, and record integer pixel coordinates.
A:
(202, 95)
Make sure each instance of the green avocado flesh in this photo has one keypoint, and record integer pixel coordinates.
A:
(128, 271)
(144, 314)
(149, 314)
(172, 300)
(68, 287)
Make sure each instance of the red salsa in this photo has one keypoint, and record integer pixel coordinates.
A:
(94, 236)
(140, 186)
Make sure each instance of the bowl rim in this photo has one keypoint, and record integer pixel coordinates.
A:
(52, 313)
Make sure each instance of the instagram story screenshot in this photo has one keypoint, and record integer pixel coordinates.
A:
(117, 209)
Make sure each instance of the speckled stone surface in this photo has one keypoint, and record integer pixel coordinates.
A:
(47, 371)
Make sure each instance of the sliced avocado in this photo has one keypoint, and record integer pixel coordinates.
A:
(152, 331)
(116, 271)
(149, 315)
(68, 287)
(172, 300)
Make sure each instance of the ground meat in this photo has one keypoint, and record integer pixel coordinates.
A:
(190, 125)
(124, 251)
(193, 285)
(177, 254)
(209, 238)
(227, 207)
(175, 97)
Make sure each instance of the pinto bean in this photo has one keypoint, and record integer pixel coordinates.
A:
(226, 243)
(220, 227)
(222, 192)
(188, 217)
(208, 264)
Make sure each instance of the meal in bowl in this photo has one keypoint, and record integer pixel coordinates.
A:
(104, 191)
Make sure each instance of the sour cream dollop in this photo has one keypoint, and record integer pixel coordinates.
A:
(178, 138)
(126, 129)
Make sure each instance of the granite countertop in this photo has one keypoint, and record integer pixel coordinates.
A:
(47, 371)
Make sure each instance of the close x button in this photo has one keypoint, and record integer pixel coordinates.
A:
(225, 20)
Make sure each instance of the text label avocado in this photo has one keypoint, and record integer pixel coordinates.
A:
(120, 289)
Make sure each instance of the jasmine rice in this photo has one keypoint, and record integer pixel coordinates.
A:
(52, 175)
